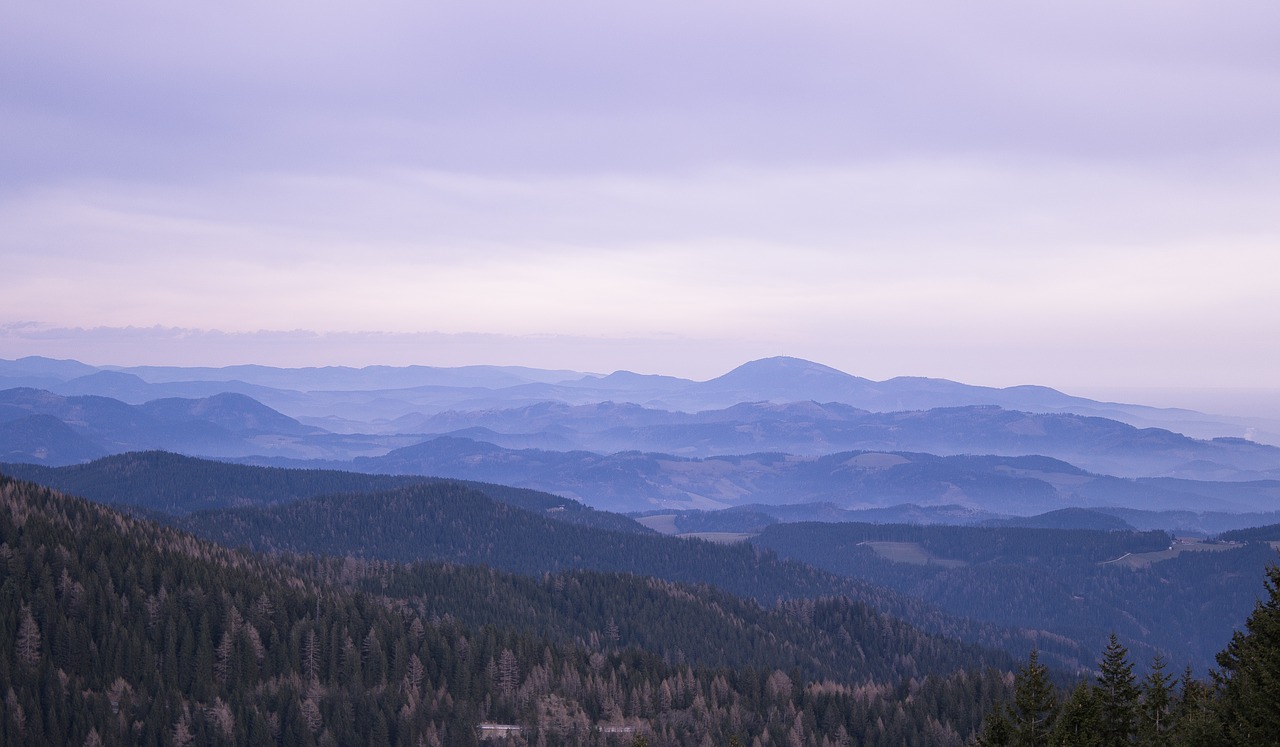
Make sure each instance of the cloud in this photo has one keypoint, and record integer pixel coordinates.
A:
(933, 185)
(183, 91)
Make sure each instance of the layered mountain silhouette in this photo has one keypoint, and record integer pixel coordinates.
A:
(628, 441)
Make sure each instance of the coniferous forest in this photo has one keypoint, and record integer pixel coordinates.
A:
(120, 631)
(317, 621)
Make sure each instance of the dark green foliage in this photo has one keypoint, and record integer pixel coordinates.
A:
(447, 522)
(1268, 533)
(1077, 723)
(997, 729)
(1117, 695)
(1035, 704)
(117, 631)
(175, 484)
(158, 481)
(1155, 711)
(1196, 721)
(1250, 676)
(1054, 580)
(1240, 710)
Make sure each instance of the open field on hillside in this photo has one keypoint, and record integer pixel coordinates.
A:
(1144, 559)
(910, 552)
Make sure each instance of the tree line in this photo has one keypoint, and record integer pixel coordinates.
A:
(1239, 705)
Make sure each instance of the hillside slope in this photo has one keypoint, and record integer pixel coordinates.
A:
(123, 632)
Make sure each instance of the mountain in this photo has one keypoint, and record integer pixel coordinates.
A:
(454, 523)
(237, 413)
(753, 518)
(635, 481)
(114, 384)
(113, 426)
(367, 400)
(1066, 518)
(151, 636)
(413, 519)
(1183, 599)
(168, 483)
(39, 372)
(813, 429)
(231, 425)
(781, 379)
(44, 439)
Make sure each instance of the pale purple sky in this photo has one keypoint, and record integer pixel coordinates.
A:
(1079, 194)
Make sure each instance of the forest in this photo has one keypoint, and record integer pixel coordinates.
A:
(319, 608)
(120, 631)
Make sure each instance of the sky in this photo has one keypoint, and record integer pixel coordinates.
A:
(1079, 194)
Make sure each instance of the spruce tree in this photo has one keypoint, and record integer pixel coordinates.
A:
(1155, 712)
(1117, 695)
(1250, 676)
(1077, 724)
(1035, 703)
(1195, 721)
(997, 729)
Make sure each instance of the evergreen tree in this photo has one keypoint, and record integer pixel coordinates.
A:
(997, 729)
(1195, 719)
(1077, 724)
(1117, 695)
(1250, 675)
(1155, 711)
(1035, 703)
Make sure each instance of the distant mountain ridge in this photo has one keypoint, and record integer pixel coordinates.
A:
(749, 453)
(367, 399)
(637, 481)
(813, 429)
(220, 425)
(166, 483)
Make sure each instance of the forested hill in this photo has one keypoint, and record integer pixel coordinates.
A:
(1268, 533)
(450, 523)
(116, 631)
(1183, 599)
(175, 484)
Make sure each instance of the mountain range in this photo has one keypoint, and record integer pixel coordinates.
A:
(774, 431)
(366, 399)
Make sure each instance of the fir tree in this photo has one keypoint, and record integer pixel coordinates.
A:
(1117, 695)
(1195, 719)
(1250, 675)
(997, 729)
(1035, 703)
(1077, 724)
(1155, 712)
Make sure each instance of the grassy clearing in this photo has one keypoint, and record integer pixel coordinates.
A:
(1144, 559)
(723, 538)
(910, 552)
(661, 523)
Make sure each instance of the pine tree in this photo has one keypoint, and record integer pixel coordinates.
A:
(1035, 703)
(1077, 724)
(1250, 675)
(997, 729)
(1195, 719)
(1117, 696)
(1155, 711)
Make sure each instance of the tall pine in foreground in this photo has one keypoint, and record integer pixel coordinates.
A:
(1035, 703)
(1155, 712)
(1250, 676)
(1117, 696)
